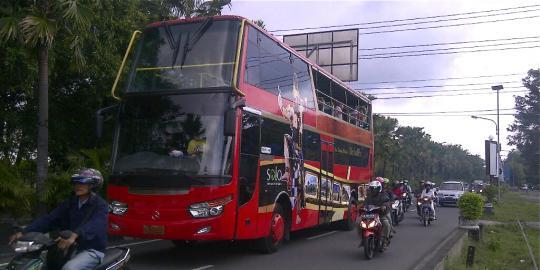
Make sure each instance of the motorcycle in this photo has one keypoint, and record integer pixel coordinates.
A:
(371, 229)
(426, 214)
(32, 250)
(406, 198)
(397, 212)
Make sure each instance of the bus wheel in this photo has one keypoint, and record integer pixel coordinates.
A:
(278, 226)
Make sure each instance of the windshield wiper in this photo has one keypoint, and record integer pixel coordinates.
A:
(197, 36)
(170, 37)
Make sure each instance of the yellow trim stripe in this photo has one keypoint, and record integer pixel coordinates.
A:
(133, 36)
(186, 66)
(237, 63)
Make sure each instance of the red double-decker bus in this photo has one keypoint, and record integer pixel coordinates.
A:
(226, 133)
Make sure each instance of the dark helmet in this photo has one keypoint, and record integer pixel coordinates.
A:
(88, 176)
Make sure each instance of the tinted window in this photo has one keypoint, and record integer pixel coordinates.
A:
(247, 177)
(311, 146)
(271, 67)
(272, 135)
(351, 154)
(190, 55)
(451, 186)
(250, 134)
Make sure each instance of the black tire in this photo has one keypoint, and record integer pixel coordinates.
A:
(395, 219)
(425, 218)
(269, 244)
(369, 247)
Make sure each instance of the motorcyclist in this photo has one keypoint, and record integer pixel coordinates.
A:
(417, 193)
(85, 214)
(430, 193)
(377, 197)
(397, 188)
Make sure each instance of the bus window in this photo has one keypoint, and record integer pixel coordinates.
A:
(249, 157)
(274, 69)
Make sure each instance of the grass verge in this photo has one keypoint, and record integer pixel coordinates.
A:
(502, 247)
(512, 207)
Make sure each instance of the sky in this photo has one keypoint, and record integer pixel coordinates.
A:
(462, 130)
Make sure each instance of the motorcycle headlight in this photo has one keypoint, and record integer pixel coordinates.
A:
(395, 204)
(118, 208)
(419, 203)
(210, 208)
(363, 224)
(404, 195)
(26, 246)
(371, 224)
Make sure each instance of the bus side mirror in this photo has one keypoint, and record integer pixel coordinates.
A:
(100, 118)
(230, 122)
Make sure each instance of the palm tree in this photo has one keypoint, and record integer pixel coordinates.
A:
(36, 24)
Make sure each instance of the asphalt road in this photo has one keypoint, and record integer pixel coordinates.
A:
(312, 249)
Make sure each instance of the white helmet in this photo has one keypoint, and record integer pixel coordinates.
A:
(375, 186)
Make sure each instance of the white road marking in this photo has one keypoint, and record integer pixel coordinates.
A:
(322, 235)
(203, 267)
(136, 243)
(3, 264)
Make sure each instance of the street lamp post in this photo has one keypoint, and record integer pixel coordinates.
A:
(498, 152)
(497, 88)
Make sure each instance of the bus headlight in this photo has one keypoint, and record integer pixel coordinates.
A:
(118, 208)
(210, 208)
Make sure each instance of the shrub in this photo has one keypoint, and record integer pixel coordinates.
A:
(471, 205)
(57, 189)
(490, 192)
(15, 194)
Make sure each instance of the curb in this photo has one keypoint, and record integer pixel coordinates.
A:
(436, 258)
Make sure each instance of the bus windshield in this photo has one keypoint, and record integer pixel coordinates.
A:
(177, 134)
(185, 56)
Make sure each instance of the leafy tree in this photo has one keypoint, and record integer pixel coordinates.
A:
(526, 126)
(36, 24)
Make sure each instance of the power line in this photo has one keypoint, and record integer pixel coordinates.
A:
(402, 20)
(446, 43)
(439, 91)
(453, 115)
(438, 53)
(447, 25)
(441, 79)
(463, 111)
(451, 48)
(462, 94)
(431, 86)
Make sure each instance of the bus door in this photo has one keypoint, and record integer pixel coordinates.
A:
(248, 165)
(325, 190)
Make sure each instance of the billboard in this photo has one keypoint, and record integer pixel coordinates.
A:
(335, 51)
(491, 158)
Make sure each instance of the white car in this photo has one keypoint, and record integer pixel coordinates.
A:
(450, 192)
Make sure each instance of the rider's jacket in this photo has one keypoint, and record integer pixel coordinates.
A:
(68, 216)
(430, 193)
(379, 200)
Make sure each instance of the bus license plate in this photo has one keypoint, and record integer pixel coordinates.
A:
(154, 229)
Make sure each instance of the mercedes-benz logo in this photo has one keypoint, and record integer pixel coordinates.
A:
(155, 215)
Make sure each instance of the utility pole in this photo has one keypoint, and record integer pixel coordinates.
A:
(497, 88)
